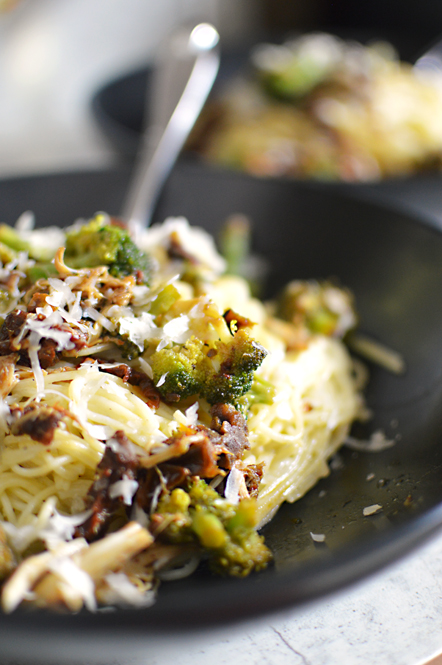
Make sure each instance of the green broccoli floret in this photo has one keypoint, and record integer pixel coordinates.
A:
(235, 243)
(320, 307)
(100, 244)
(294, 75)
(12, 241)
(11, 244)
(221, 372)
(7, 254)
(226, 532)
(261, 392)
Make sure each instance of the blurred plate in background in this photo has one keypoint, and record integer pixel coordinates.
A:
(119, 107)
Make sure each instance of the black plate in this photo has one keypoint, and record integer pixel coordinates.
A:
(119, 107)
(393, 262)
(121, 104)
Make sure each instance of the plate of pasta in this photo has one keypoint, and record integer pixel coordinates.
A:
(311, 106)
(235, 410)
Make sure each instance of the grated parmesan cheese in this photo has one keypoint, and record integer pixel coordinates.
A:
(162, 379)
(195, 241)
(124, 488)
(371, 510)
(139, 329)
(77, 580)
(235, 486)
(317, 537)
(191, 414)
(377, 442)
(95, 315)
(120, 591)
(176, 330)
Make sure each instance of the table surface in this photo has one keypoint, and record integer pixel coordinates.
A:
(50, 65)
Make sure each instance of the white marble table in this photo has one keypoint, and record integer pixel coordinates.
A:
(394, 618)
(53, 55)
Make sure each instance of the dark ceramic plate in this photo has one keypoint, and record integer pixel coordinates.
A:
(119, 107)
(392, 261)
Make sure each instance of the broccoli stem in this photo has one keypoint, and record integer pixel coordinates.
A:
(226, 532)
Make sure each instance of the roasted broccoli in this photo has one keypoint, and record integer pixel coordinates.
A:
(10, 247)
(320, 307)
(11, 244)
(291, 71)
(6, 254)
(235, 243)
(99, 243)
(12, 240)
(220, 372)
(226, 532)
(236, 247)
(261, 392)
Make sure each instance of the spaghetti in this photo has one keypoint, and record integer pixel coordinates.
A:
(174, 407)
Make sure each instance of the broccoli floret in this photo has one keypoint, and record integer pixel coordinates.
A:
(164, 300)
(100, 244)
(226, 532)
(10, 249)
(11, 239)
(319, 307)
(220, 372)
(296, 74)
(235, 244)
(7, 254)
(40, 271)
(261, 392)
(236, 247)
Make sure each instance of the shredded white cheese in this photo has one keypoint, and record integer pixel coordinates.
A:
(192, 414)
(175, 331)
(194, 241)
(162, 379)
(95, 315)
(76, 579)
(145, 367)
(317, 537)
(235, 479)
(371, 510)
(124, 488)
(121, 591)
(139, 329)
(377, 442)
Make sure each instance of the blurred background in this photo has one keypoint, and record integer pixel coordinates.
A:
(55, 54)
(410, 25)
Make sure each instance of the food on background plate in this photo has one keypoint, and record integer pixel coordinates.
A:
(321, 107)
(154, 414)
